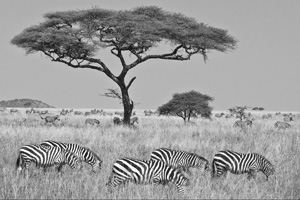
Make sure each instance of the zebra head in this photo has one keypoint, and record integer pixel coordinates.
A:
(201, 163)
(266, 167)
(91, 158)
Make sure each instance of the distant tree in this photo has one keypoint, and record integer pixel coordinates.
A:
(187, 105)
(75, 38)
(239, 112)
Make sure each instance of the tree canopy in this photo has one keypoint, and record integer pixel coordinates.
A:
(75, 38)
(187, 105)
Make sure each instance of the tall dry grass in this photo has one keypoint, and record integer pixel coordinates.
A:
(110, 142)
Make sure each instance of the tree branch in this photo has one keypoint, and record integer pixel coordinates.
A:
(130, 82)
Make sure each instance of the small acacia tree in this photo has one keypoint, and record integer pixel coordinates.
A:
(75, 38)
(187, 105)
(239, 112)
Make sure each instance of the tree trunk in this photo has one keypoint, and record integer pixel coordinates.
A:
(127, 104)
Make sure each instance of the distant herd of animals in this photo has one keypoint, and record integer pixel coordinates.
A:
(164, 166)
(247, 122)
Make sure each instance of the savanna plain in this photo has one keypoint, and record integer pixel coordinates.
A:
(203, 137)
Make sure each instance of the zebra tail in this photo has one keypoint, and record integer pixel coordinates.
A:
(213, 170)
(18, 163)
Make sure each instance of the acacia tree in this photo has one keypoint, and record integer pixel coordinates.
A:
(74, 38)
(187, 105)
(239, 111)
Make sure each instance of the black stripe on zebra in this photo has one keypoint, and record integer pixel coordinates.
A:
(239, 163)
(45, 157)
(180, 159)
(145, 172)
(83, 153)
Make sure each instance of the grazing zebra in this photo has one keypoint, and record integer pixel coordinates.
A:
(44, 112)
(145, 172)
(87, 113)
(51, 119)
(13, 111)
(29, 111)
(219, 115)
(117, 121)
(288, 118)
(180, 159)
(134, 120)
(242, 124)
(239, 163)
(92, 121)
(77, 113)
(83, 153)
(45, 157)
(282, 125)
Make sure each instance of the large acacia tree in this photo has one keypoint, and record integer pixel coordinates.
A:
(74, 38)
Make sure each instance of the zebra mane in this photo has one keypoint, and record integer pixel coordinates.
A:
(89, 150)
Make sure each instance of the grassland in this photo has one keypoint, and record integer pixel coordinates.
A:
(112, 142)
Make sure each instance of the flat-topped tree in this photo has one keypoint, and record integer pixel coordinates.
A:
(75, 38)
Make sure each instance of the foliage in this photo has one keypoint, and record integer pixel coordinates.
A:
(75, 38)
(187, 105)
(238, 111)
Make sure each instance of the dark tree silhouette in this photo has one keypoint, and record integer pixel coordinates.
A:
(187, 105)
(74, 38)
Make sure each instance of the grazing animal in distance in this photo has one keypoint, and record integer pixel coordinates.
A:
(117, 121)
(288, 118)
(145, 172)
(51, 119)
(240, 163)
(13, 111)
(243, 124)
(282, 125)
(134, 120)
(219, 115)
(92, 121)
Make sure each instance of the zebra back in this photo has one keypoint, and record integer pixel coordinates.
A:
(145, 172)
(179, 159)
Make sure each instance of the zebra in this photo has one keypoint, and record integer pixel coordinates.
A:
(145, 172)
(288, 118)
(45, 157)
(77, 113)
(44, 112)
(180, 159)
(219, 115)
(51, 119)
(133, 120)
(83, 153)
(243, 124)
(29, 111)
(13, 111)
(117, 121)
(240, 163)
(282, 125)
(92, 121)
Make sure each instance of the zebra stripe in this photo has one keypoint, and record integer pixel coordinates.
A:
(239, 163)
(180, 159)
(145, 172)
(83, 153)
(45, 157)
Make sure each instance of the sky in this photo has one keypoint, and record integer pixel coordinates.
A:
(263, 71)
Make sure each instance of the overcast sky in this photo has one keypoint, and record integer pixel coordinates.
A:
(263, 71)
